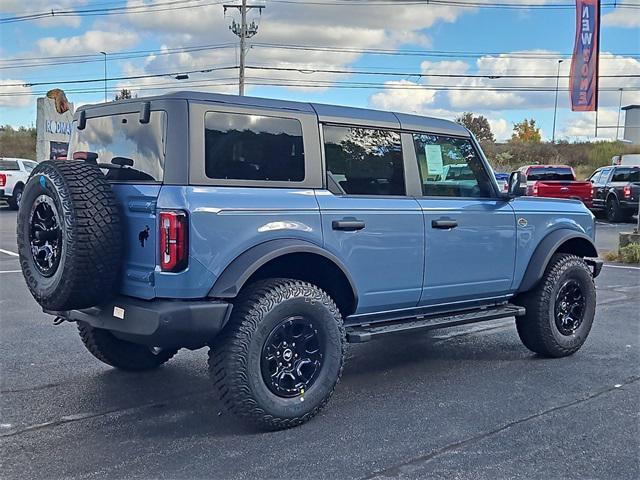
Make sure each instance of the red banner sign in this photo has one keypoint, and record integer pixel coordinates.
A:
(583, 81)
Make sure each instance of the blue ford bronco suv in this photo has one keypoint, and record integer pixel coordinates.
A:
(275, 232)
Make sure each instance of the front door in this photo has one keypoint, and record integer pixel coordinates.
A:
(470, 233)
(367, 219)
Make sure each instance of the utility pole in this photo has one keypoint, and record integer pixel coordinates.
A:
(555, 108)
(105, 75)
(243, 31)
(619, 110)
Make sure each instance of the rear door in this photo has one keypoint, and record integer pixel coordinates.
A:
(368, 221)
(470, 232)
(131, 154)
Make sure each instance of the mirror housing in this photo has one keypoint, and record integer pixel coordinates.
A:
(517, 184)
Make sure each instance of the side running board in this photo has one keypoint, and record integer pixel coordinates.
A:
(366, 332)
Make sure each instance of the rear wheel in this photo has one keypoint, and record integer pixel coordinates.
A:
(121, 354)
(280, 357)
(614, 212)
(14, 200)
(560, 309)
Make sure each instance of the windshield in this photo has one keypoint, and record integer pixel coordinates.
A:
(550, 173)
(124, 148)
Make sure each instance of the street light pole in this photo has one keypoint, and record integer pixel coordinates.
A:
(555, 108)
(619, 110)
(105, 75)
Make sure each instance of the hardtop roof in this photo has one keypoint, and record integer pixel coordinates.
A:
(325, 112)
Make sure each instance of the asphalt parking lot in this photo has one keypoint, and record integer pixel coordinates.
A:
(465, 403)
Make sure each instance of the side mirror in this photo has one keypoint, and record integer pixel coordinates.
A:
(517, 184)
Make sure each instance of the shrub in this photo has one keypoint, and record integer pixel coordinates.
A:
(630, 253)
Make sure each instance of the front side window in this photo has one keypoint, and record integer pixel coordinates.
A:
(363, 161)
(29, 166)
(450, 167)
(253, 147)
(595, 176)
(125, 149)
(626, 175)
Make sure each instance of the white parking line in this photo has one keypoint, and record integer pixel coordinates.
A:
(13, 254)
(622, 266)
(11, 271)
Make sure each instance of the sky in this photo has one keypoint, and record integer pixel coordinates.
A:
(380, 46)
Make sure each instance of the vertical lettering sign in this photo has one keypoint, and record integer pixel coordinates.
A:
(583, 81)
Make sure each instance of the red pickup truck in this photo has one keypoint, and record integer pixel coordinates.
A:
(556, 181)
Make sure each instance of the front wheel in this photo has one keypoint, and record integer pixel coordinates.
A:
(560, 309)
(278, 360)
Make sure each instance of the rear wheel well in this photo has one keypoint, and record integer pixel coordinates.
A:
(578, 246)
(314, 269)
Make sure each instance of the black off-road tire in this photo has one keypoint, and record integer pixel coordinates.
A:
(235, 356)
(14, 200)
(121, 354)
(537, 329)
(90, 235)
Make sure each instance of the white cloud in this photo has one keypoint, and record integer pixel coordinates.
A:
(14, 96)
(92, 41)
(411, 99)
(582, 124)
(18, 7)
(621, 17)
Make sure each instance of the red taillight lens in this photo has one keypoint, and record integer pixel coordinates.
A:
(627, 191)
(174, 245)
(535, 189)
(3, 179)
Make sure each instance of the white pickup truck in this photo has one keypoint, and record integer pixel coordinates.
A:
(14, 173)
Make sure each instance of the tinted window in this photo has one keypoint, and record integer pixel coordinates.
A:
(595, 176)
(124, 148)
(626, 175)
(363, 161)
(253, 147)
(8, 164)
(549, 173)
(605, 175)
(450, 167)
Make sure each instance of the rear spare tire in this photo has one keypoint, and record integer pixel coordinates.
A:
(69, 235)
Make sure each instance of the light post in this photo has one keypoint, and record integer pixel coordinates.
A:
(619, 110)
(555, 108)
(105, 75)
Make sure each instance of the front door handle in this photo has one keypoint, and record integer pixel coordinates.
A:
(444, 224)
(347, 225)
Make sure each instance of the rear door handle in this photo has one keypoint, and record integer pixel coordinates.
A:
(347, 225)
(444, 224)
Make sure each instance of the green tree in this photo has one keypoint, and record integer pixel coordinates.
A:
(526, 132)
(479, 126)
(20, 142)
(124, 94)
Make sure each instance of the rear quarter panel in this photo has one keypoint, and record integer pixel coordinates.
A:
(226, 221)
(538, 217)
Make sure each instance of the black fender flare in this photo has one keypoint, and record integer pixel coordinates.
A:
(235, 275)
(545, 250)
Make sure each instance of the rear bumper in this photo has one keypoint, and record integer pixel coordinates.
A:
(162, 323)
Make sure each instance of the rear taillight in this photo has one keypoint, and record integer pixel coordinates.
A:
(535, 189)
(627, 191)
(174, 241)
(3, 179)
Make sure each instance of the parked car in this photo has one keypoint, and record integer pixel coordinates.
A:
(14, 173)
(556, 181)
(616, 191)
(275, 232)
(626, 159)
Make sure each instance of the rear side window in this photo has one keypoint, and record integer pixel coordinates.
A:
(29, 166)
(626, 175)
(253, 147)
(124, 148)
(363, 161)
(549, 174)
(8, 164)
(450, 167)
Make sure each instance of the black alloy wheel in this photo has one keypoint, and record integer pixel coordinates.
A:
(45, 235)
(292, 357)
(569, 307)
